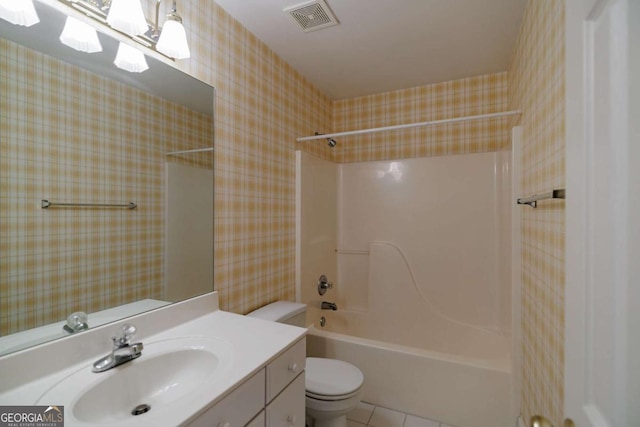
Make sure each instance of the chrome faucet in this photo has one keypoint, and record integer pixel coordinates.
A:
(123, 351)
(328, 306)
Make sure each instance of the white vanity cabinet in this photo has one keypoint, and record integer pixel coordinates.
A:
(273, 397)
(285, 390)
(258, 421)
(287, 410)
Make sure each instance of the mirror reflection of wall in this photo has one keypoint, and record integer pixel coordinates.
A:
(68, 135)
(188, 251)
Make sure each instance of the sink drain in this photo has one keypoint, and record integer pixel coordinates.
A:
(141, 409)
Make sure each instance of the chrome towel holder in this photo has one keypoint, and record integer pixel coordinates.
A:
(533, 200)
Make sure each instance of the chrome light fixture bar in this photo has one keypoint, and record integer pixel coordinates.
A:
(126, 17)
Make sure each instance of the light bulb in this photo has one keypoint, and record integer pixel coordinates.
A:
(19, 12)
(80, 36)
(130, 59)
(127, 16)
(173, 40)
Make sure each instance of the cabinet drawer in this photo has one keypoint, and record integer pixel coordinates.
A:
(258, 421)
(285, 368)
(238, 408)
(287, 410)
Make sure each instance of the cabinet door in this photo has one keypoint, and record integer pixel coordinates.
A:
(287, 410)
(258, 421)
(285, 368)
(238, 408)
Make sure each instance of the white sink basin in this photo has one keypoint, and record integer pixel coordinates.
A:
(167, 376)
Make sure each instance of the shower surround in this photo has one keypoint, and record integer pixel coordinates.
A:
(419, 252)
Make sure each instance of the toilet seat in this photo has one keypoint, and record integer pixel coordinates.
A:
(331, 380)
(331, 398)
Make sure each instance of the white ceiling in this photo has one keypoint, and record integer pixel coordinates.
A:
(383, 45)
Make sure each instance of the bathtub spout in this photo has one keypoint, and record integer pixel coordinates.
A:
(328, 306)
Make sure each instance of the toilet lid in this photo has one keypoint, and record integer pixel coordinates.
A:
(330, 377)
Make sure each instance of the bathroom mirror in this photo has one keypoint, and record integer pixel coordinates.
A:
(75, 129)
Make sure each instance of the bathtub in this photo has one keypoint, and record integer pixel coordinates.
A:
(468, 389)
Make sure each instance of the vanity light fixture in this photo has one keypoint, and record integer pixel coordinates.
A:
(173, 39)
(80, 36)
(124, 16)
(19, 12)
(130, 59)
(127, 17)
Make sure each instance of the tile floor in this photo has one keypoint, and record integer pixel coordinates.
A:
(367, 415)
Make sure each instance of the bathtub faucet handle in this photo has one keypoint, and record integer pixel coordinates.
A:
(324, 284)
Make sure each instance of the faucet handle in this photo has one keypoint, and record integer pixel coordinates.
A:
(125, 336)
(324, 284)
(76, 322)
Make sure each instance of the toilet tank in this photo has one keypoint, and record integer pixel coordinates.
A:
(291, 313)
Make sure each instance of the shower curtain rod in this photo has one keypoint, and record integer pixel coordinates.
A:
(410, 125)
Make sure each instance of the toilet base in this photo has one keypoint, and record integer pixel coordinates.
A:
(331, 413)
(339, 421)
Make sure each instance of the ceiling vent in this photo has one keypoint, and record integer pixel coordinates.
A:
(312, 15)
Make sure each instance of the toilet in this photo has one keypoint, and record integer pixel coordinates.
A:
(333, 387)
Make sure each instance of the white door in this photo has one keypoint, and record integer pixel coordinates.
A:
(602, 342)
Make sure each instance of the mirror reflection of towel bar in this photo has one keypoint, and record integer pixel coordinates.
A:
(46, 204)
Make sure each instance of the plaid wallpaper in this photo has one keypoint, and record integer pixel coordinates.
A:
(68, 135)
(456, 98)
(536, 85)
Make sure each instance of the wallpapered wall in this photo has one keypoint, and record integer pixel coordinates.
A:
(536, 85)
(456, 98)
(68, 135)
(262, 105)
